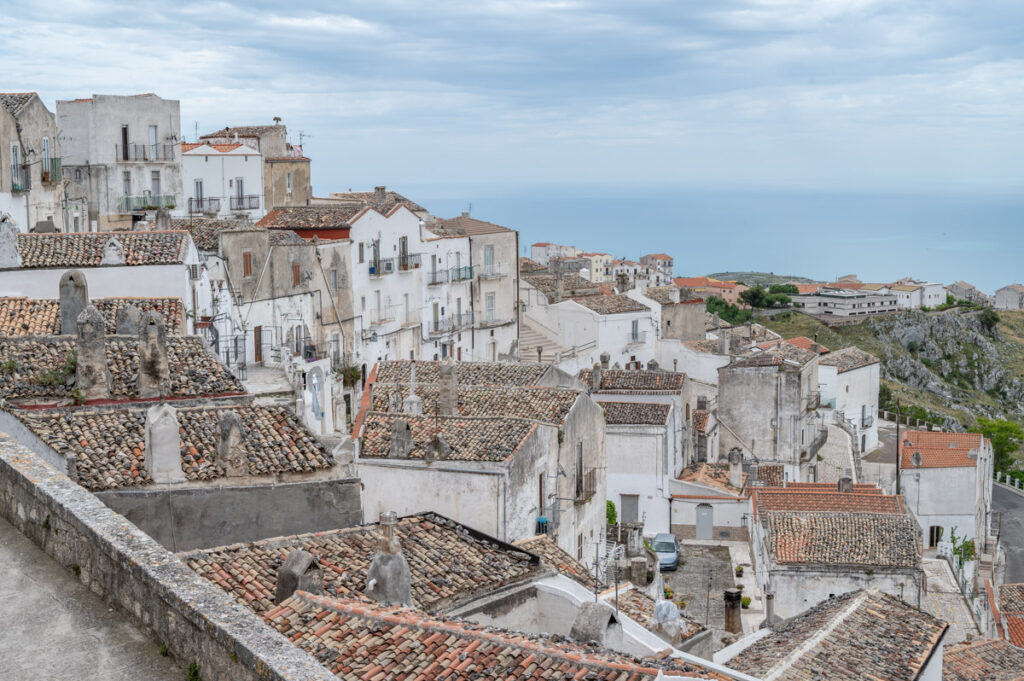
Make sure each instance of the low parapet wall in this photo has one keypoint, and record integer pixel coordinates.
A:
(195, 620)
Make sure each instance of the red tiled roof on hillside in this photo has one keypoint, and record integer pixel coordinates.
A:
(692, 282)
(776, 499)
(939, 449)
(984, 660)
(802, 342)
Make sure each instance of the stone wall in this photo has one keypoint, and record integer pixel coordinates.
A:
(721, 532)
(195, 620)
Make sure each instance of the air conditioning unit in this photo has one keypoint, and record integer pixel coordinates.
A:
(389, 266)
(193, 271)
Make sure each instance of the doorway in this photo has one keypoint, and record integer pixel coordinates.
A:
(934, 536)
(705, 521)
(257, 344)
(630, 508)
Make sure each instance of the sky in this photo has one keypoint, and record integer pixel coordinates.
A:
(817, 137)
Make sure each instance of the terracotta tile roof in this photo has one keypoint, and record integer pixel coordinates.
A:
(467, 226)
(86, 249)
(805, 289)
(692, 282)
(666, 295)
(636, 380)
(391, 200)
(660, 256)
(527, 266)
(549, 552)
(41, 317)
(836, 538)
(548, 405)
(206, 231)
(639, 607)
(711, 474)
(1011, 604)
(700, 420)
(985, 660)
(310, 217)
(1015, 629)
(355, 640)
(772, 474)
(776, 471)
(938, 449)
(194, 370)
(109, 445)
(471, 439)
(449, 563)
(848, 359)
(14, 102)
(614, 304)
(775, 499)
(859, 635)
(222, 148)
(635, 413)
(573, 285)
(776, 356)
(467, 373)
(802, 342)
(240, 130)
(705, 346)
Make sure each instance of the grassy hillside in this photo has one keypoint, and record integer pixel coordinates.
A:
(762, 278)
(942, 362)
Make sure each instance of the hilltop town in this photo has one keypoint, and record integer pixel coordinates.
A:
(250, 432)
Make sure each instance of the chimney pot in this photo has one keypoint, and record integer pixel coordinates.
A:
(300, 571)
(74, 297)
(736, 468)
(163, 444)
(733, 604)
(388, 580)
(845, 484)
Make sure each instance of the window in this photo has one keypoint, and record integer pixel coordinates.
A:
(199, 190)
(155, 183)
(152, 142)
(540, 494)
(46, 157)
(296, 274)
(361, 252)
(490, 307)
(334, 279)
(124, 143)
(240, 189)
(126, 181)
(489, 259)
(15, 166)
(288, 182)
(247, 263)
(579, 546)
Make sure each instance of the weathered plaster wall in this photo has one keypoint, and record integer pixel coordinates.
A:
(799, 588)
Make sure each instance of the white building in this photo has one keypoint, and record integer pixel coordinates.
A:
(31, 192)
(121, 154)
(1010, 297)
(660, 262)
(600, 267)
(946, 480)
(222, 180)
(913, 295)
(708, 502)
(542, 252)
(848, 380)
(846, 303)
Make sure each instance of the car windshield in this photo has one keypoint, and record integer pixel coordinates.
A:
(664, 547)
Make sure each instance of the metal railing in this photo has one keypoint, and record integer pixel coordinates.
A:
(867, 421)
(310, 351)
(437, 277)
(492, 271)
(638, 338)
(574, 351)
(50, 170)
(382, 266)
(409, 261)
(818, 442)
(491, 319)
(586, 484)
(147, 202)
(144, 152)
(203, 205)
(383, 315)
(21, 178)
(813, 400)
(247, 202)
(449, 324)
(464, 273)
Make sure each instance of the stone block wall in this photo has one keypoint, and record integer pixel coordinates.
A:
(197, 621)
(720, 532)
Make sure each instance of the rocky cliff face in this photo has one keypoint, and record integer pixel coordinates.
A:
(951, 356)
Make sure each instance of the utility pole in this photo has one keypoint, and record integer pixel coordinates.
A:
(897, 446)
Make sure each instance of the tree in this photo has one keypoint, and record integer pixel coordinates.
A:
(988, 319)
(755, 297)
(727, 312)
(1006, 437)
(787, 289)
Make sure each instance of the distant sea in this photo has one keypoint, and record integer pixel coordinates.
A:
(822, 235)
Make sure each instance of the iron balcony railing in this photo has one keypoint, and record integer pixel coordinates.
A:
(203, 205)
(867, 421)
(490, 319)
(437, 277)
(382, 266)
(408, 261)
(147, 202)
(638, 338)
(586, 484)
(818, 442)
(449, 324)
(50, 170)
(464, 273)
(383, 315)
(21, 178)
(492, 271)
(144, 152)
(247, 202)
(813, 400)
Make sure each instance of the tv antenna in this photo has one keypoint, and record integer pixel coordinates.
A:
(302, 136)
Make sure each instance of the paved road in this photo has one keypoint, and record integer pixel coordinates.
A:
(945, 601)
(1011, 530)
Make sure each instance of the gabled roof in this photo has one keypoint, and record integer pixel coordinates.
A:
(467, 226)
(467, 373)
(573, 285)
(692, 282)
(449, 563)
(526, 265)
(310, 217)
(802, 342)
(492, 439)
(613, 304)
(240, 130)
(548, 405)
(109, 445)
(838, 538)
(41, 317)
(206, 231)
(939, 449)
(14, 102)
(859, 635)
(1011, 604)
(559, 560)
(984, 660)
(778, 355)
(700, 420)
(711, 474)
(797, 499)
(848, 359)
(390, 200)
(636, 380)
(635, 413)
(86, 249)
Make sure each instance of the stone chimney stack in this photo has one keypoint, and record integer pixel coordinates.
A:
(74, 296)
(10, 254)
(556, 267)
(736, 468)
(128, 321)
(653, 365)
(163, 219)
(380, 194)
(723, 342)
(401, 440)
(301, 571)
(154, 371)
(388, 580)
(605, 360)
(92, 376)
(595, 378)
(448, 391)
(163, 444)
(733, 604)
(845, 484)
(770, 617)
(816, 348)
(231, 445)
(413, 404)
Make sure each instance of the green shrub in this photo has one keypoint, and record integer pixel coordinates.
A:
(609, 512)
(745, 602)
(193, 672)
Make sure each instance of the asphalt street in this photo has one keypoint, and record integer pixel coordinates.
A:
(1011, 530)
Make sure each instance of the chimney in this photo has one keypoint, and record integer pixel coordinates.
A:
(154, 372)
(128, 321)
(231, 445)
(92, 376)
(736, 468)
(413, 404)
(540, 354)
(733, 604)
(163, 444)
(723, 343)
(113, 252)
(437, 448)
(845, 484)
(74, 296)
(301, 571)
(605, 359)
(401, 439)
(388, 580)
(163, 219)
(595, 378)
(770, 618)
(380, 194)
(653, 365)
(448, 391)
(277, 121)
(816, 348)
(10, 254)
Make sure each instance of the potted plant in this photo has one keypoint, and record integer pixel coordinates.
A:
(739, 570)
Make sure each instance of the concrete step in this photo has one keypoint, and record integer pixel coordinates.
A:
(530, 337)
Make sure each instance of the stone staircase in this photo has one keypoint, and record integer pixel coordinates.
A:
(530, 337)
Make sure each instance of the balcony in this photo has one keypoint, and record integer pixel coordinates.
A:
(490, 319)
(382, 266)
(813, 400)
(144, 152)
(382, 316)
(437, 277)
(586, 485)
(450, 324)
(132, 204)
(867, 421)
(247, 202)
(50, 170)
(491, 271)
(21, 178)
(203, 206)
(461, 273)
(638, 338)
(408, 262)
(818, 442)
